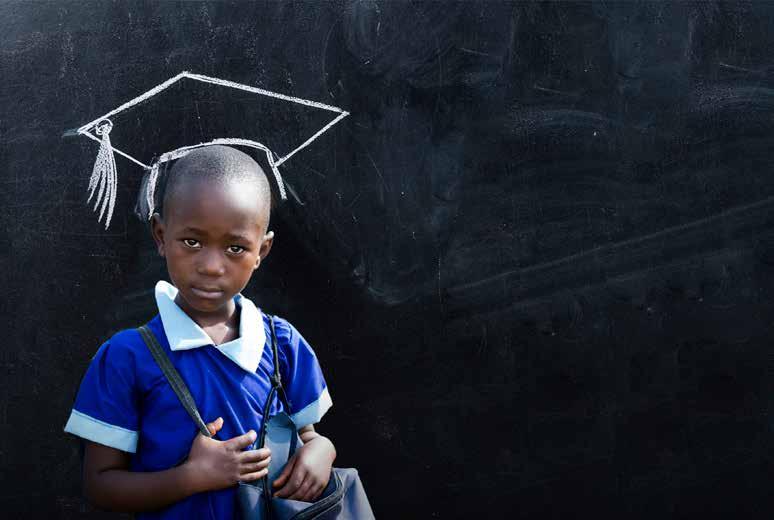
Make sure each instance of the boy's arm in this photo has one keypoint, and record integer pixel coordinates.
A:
(307, 433)
(109, 484)
(211, 465)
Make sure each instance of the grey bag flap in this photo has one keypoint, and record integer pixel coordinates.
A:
(283, 440)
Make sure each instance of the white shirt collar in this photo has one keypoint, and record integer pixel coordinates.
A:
(183, 333)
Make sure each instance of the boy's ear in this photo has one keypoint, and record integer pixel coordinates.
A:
(157, 230)
(268, 240)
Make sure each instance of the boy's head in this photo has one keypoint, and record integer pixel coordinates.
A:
(213, 226)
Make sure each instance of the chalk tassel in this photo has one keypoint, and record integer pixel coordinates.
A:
(104, 178)
(150, 192)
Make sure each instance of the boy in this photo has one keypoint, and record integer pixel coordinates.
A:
(212, 230)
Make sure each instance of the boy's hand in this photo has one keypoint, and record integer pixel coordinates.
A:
(307, 472)
(215, 464)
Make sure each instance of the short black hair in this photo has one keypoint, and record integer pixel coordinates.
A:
(217, 163)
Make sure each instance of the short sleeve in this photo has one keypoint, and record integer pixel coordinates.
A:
(302, 376)
(106, 407)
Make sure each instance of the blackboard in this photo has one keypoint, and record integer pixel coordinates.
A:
(535, 261)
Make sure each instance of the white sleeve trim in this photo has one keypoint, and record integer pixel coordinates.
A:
(95, 430)
(313, 412)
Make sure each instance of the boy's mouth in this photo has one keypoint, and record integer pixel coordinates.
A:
(207, 293)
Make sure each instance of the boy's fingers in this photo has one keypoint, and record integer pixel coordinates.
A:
(242, 441)
(255, 455)
(252, 467)
(285, 473)
(215, 425)
(292, 483)
(247, 477)
(315, 492)
(302, 491)
(291, 487)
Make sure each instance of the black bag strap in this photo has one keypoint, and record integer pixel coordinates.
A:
(184, 395)
(277, 377)
(173, 376)
(276, 386)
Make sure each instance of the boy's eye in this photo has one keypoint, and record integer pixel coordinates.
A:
(235, 249)
(190, 242)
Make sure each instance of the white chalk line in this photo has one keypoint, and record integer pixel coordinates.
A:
(207, 79)
(108, 178)
(116, 150)
(180, 152)
(84, 130)
(256, 90)
(139, 99)
(315, 136)
(185, 150)
(104, 181)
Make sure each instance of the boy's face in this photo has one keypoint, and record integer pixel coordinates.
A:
(212, 236)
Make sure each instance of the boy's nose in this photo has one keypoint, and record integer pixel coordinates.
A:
(211, 264)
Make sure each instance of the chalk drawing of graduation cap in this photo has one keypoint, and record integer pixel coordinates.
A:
(204, 111)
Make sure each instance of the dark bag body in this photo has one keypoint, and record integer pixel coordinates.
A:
(343, 498)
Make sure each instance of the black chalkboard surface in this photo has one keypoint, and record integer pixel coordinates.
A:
(536, 261)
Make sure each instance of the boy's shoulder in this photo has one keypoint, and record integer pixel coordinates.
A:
(287, 334)
(292, 346)
(280, 323)
(128, 342)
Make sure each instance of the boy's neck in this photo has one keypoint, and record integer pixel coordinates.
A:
(221, 326)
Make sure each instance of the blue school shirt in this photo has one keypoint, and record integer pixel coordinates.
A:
(125, 402)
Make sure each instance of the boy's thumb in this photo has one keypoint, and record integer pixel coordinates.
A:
(215, 426)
